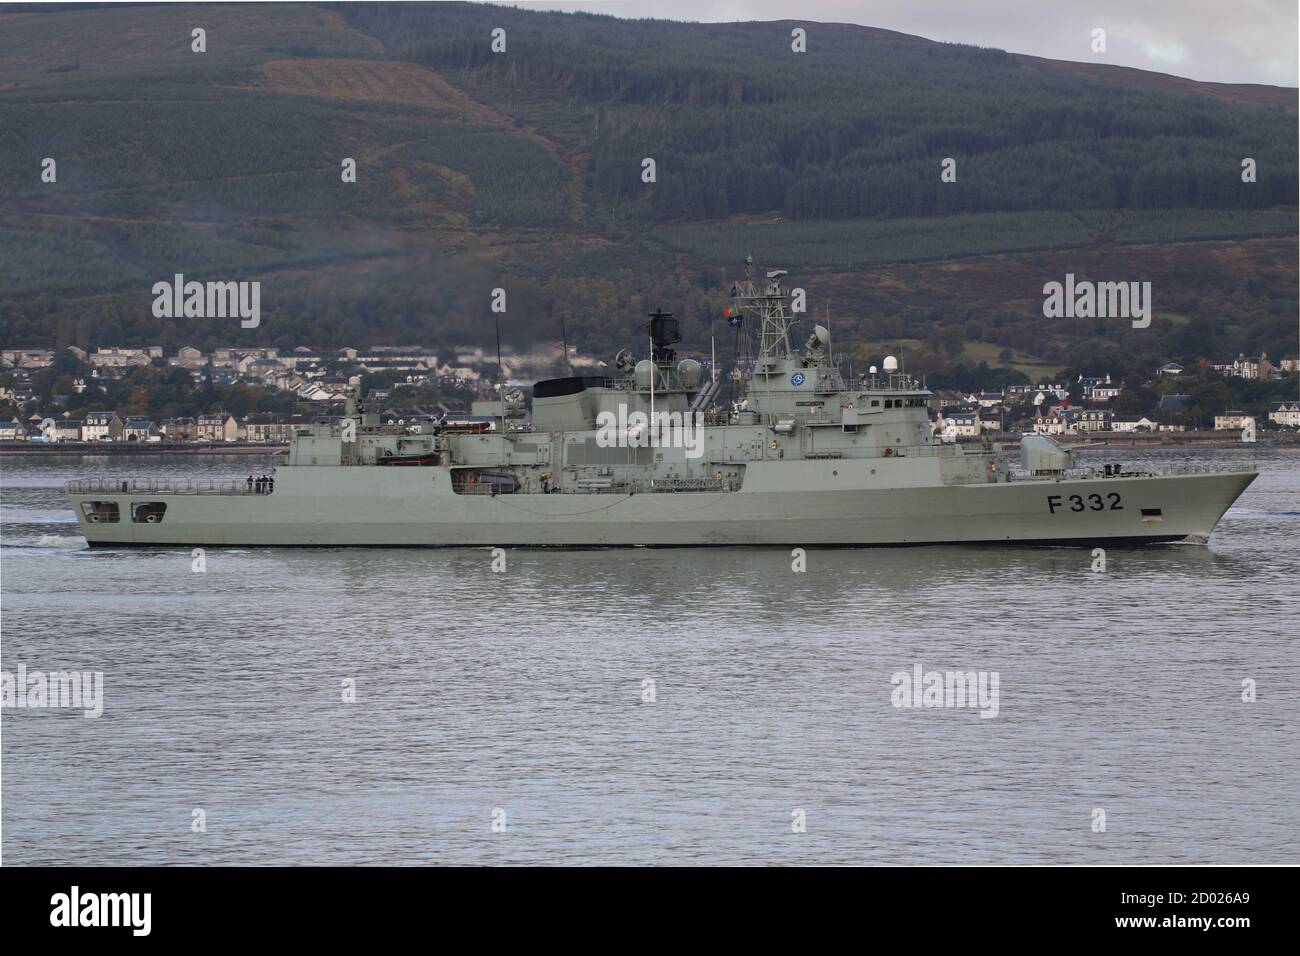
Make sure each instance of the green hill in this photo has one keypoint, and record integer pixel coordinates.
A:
(524, 170)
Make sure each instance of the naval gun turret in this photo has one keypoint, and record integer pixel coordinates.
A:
(1039, 455)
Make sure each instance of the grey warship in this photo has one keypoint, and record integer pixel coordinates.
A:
(644, 457)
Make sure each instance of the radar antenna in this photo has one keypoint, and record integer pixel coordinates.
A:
(767, 304)
(664, 334)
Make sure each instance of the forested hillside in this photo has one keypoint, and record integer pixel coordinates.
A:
(855, 127)
(523, 170)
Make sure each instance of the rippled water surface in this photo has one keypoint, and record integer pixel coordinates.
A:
(522, 692)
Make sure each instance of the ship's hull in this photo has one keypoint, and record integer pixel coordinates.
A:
(416, 507)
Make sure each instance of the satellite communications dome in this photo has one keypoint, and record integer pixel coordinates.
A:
(689, 371)
(891, 364)
(643, 373)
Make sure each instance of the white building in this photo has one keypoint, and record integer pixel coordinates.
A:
(102, 426)
(26, 358)
(960, 423)
(1286, 414)
(1050, 424)
(1133, 423)
(218, 427)
(123, 357)
(1233, 421)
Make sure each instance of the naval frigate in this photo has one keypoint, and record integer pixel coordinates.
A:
(644, 456)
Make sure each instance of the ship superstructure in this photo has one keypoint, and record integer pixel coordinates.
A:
(646, 456)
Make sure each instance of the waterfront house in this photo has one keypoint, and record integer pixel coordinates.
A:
(1052, 423)
(1232, 421)
(217, 427)
(1133, 423)
(140, 429)
(271, 428)
(68, 429)
(102, 426)
(180, 429)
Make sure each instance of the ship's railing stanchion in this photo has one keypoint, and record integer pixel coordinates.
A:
(155, 486)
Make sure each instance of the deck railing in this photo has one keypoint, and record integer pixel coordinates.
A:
(161, 486)
(1018, 474)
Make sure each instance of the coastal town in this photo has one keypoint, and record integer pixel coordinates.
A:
(257, 396)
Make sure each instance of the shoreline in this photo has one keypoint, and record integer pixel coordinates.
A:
(122, 448)
(1152, 442)
(1216, 440)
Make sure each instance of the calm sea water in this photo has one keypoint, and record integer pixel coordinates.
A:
(522, 692)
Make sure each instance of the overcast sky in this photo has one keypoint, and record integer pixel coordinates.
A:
(1227, 41)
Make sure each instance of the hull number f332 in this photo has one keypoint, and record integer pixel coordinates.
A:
(1093, 502)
